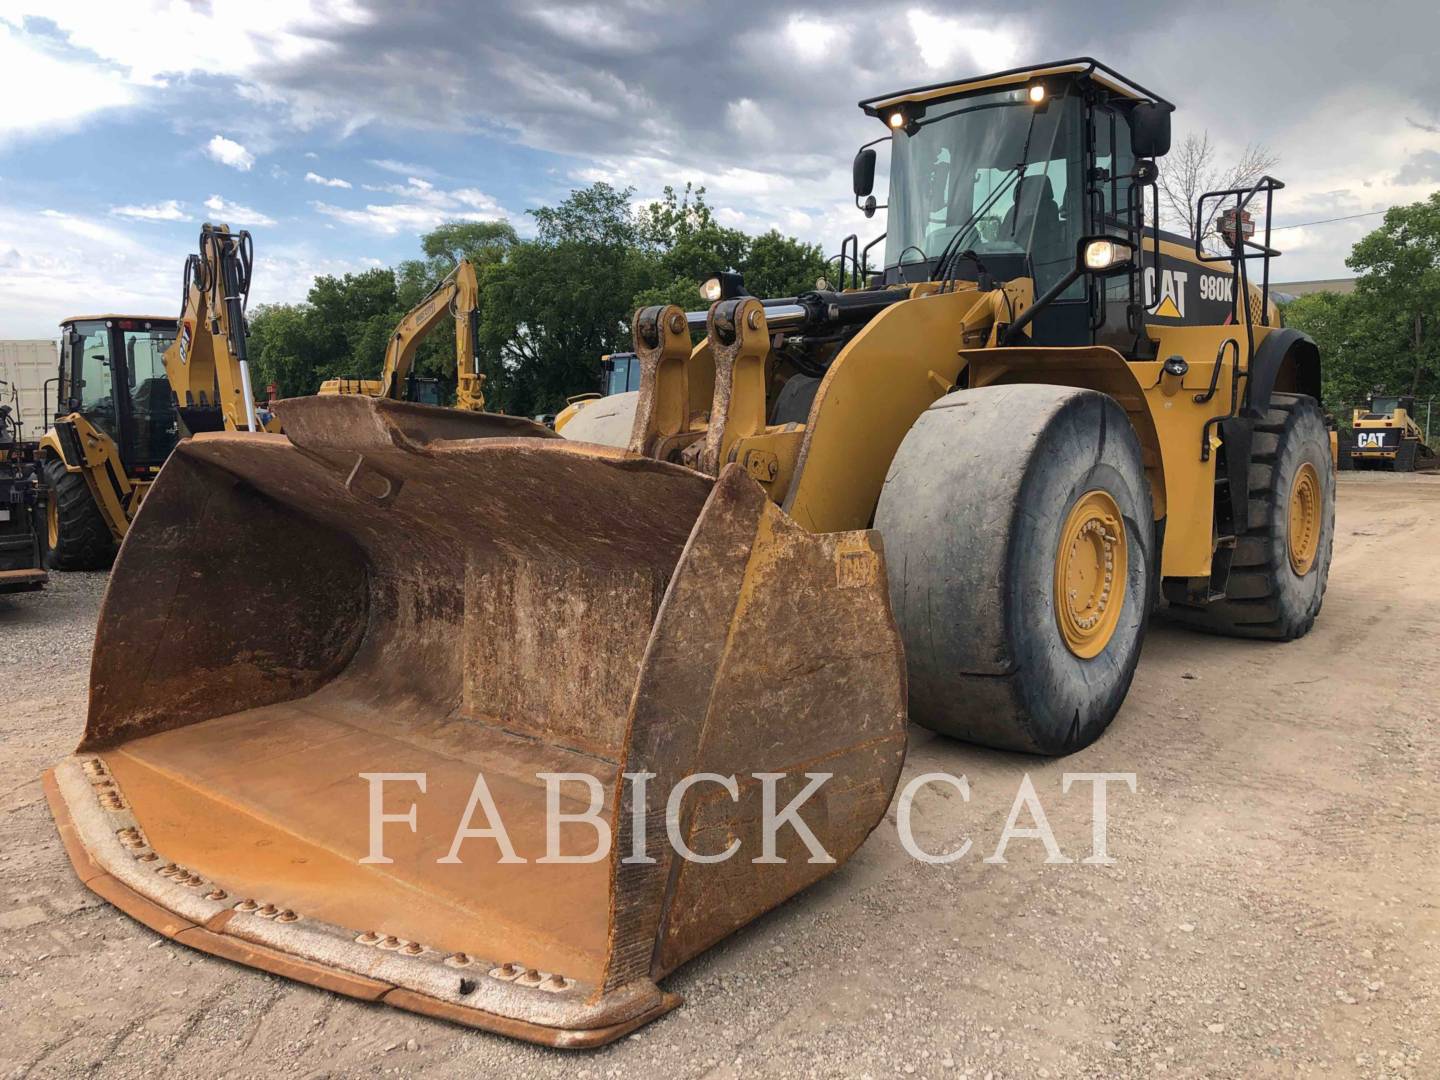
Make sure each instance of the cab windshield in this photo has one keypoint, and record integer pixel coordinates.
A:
(1003, 174)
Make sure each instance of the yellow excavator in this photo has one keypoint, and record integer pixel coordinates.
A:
(457, 295)
(130, 386)
(510, 725)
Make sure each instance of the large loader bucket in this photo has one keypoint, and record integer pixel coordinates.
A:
(394, 589)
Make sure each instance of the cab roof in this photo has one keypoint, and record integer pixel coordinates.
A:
(1080, 67)
(111, 315)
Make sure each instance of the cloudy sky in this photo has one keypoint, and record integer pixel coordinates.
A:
(339, 130)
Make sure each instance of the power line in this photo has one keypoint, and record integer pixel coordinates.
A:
(1326, 221)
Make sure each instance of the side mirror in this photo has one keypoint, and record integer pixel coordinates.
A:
(1150, 129)
(864, 172)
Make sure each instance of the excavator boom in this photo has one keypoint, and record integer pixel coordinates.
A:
(457, 294)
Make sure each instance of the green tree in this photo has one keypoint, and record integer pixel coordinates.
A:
(555, 304)
(281, 350)
(350, 320)
(1399, 278)
(783, 266)
(690, 245)
(1384, 336)
(482, 242)
(550, 306)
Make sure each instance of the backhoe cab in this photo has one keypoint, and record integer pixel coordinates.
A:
(951, 491)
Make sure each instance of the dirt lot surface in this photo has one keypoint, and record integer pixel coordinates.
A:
(1274, 909)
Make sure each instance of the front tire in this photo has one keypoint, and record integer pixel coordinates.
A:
(77, 536)
(1021, 549)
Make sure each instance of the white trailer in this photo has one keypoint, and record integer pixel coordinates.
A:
(25, 366)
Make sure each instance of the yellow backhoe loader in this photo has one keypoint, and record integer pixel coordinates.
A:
(1383, 434)
(131, 386)
(471, 649)
(457, 295)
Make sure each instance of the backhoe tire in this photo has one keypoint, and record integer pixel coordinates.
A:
(1405, 456)
(77, 535)
(1282, 563)
(997, 496)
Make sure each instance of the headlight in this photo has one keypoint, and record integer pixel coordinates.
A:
(1037, 93)
(1103, 254)
(711, 290)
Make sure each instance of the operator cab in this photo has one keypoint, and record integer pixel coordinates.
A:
(619, 373)
(1002, 177)
(112, 372)
(1382, 408)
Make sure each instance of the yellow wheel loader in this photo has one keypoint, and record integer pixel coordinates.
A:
(131, 386)
(619, 374)
(458, 296)
(1384, 434)
(510, 725)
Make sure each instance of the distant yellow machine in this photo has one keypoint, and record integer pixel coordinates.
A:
(1384, 434)
(952, 492)
(456, 295)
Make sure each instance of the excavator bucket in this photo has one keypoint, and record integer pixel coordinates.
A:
(338, 671)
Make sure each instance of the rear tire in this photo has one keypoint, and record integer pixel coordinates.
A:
(77, 536)
(987, 494)
(1267, 595)
(1405, 456)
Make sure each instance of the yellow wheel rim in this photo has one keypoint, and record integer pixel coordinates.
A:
(52, 521)
(1304, 519)
(1091, 566)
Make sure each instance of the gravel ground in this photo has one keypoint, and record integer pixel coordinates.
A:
(1274, 909)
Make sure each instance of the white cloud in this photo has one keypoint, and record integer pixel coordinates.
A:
(229, 152)
(422, 206)
(235, 213)
(50, 258)
(326, 181)
(155, 39)
(169, 210)
(44, 93)
(815, 39)
(402, 168)
(943, 41)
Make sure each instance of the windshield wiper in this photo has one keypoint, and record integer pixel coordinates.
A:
(949, 253)
(1013, 176)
